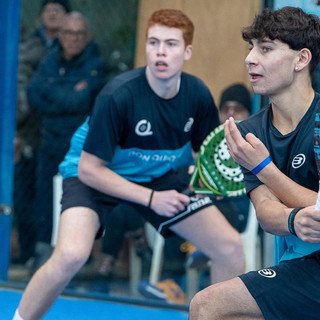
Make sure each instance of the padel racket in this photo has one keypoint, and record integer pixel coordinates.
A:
(317, 152)
(215, 169)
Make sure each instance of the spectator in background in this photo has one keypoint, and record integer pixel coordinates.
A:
(124, 221)
(235, 101)
(31, 51)
(62, 92)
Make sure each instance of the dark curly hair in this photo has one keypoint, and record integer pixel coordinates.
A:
(290, 25)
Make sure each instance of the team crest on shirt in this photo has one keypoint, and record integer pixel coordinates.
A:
(188, 125)
(298, 160)
(143, 128)
(267, 273)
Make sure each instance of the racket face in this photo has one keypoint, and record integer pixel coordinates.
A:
(216, 168)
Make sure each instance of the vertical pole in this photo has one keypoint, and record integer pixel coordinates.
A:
(9, 40)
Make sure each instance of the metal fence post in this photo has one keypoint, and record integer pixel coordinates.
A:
(5, 227)
(9, 39)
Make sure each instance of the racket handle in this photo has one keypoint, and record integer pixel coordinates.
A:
(189, 192)
(318, 199)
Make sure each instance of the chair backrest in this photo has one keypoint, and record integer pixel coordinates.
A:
(57, 195)
(252, 222)
(250, 240)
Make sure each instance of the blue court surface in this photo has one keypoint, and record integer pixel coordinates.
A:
(77, 308)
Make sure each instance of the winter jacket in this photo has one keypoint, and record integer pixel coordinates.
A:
(54, 94)
(31, 52)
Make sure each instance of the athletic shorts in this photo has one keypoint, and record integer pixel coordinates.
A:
(289, 291)
(76, 194)
(235, 209)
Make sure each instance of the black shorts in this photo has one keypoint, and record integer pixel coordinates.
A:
(76, 194)
(235, 209)
(289, 291)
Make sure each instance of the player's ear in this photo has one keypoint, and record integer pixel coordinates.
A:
(188, 52)
(304, 59)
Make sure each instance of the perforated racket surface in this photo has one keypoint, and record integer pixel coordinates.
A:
(216, 169)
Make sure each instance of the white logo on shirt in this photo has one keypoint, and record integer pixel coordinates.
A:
(188, 125)
(268, 273)
(143, 128)
(298, 160)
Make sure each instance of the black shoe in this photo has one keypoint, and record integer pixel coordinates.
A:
(197, 260)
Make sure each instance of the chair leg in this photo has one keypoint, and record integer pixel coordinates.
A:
(135, 270)
(192, 282)
(157, 243)
(57, 195)
(157, 257)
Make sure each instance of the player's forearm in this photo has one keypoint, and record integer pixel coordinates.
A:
(273, 218)
(108, 182)
(285, 189)
(271, 213)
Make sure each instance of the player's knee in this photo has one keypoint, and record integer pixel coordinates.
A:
(201, 306)
(233, 247)
(229, 247)
(194, 309)
(71, 259)
(236, 246)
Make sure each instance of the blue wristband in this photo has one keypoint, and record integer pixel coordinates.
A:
(261, 165)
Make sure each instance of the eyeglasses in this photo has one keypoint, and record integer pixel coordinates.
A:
(77, 34)
(57, 9)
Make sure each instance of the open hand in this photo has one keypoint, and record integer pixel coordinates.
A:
(248, 152)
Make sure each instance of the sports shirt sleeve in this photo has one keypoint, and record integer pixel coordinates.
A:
(207, 118)
(105, 127)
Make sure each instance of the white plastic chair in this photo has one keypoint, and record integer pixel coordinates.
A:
(252, 250)
(135, 265)
(251, 245)
(251, 241)
(57, 195)
(156, 241)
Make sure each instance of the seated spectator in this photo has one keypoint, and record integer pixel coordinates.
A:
(235, 102)
(32, 49)
(124, 221)
(62, 92)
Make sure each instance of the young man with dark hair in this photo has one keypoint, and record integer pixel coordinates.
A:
(146, 125)
(275, 148)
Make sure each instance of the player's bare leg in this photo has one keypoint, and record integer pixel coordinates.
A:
(211, 233)
(78, 227)
(229, 300)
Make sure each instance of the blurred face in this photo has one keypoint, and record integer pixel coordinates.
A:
(166, 52)
(73, 37)
(52, 16)
(233, 109)
(270, 64)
